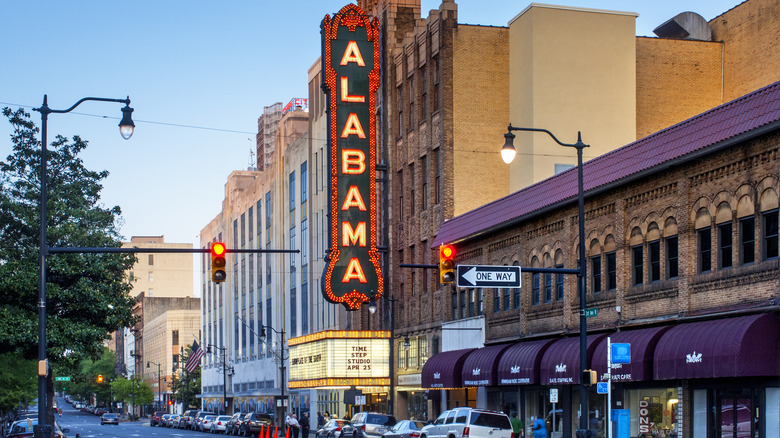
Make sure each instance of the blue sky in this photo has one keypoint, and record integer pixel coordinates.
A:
(188, 66)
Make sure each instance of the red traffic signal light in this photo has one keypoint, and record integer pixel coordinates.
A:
(218, 274)
(170, 402)
(446, 264)
(100, 378)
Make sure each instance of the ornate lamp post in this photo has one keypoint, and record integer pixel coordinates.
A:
(508, 154)
(281, 360)
(126, 127)
(159, 383)
(372, 309)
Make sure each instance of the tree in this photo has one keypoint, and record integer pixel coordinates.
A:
(186, 384)
(19, 381)
(87, 294)
(133, 392)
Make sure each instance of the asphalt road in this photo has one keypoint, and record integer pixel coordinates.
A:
(86, 425)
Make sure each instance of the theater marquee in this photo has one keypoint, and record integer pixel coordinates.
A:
(340, 358)
(350, 62)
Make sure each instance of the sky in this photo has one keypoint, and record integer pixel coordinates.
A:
(198, 75)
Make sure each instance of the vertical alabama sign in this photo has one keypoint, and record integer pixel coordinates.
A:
(350, 65)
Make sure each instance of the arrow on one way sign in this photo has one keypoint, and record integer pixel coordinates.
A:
(488, 276)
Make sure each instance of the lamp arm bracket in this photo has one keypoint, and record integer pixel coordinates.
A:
(578, 145)
(46, 110)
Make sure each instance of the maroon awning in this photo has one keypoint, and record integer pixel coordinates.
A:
(732, 347)
(519, 365)
(643, 342)
(561, 362)
(444, 370)
(480, 367)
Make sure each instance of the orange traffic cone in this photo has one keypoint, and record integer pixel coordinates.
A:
(260, 435)
(276, 431)
(287, 433)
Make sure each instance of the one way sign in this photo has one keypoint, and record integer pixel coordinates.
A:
(488, 276)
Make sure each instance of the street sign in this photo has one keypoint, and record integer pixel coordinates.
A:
(553, 395)
(593, 311)
(621, 353)
(62, 379)
(488, 276)
(602, 387)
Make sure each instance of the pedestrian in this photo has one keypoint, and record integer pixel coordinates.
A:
(540, 428)
(327, 416)
(517, 426)
(305, 425)
(320, 420)
(294, 426)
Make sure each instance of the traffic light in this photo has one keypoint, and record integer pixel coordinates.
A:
(446, 264)
(589, 377)
(170, 402)
(218, 274)
(100, 378)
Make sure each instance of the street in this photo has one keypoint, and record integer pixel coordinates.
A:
(87, 425)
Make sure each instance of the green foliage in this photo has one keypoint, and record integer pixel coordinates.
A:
(87, 294)
(84, 377)
(132, 390)
(186, 384)
(19, 380)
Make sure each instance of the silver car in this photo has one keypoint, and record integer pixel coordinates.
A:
(480, 423)
(218, 424)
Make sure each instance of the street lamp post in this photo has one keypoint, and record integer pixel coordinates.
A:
(126, 127)
(224, 372)
(372, 309)
(508, 154)
(159, 382)
(281, 359)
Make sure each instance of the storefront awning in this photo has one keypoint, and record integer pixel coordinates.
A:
(643, 343)
(481, 366)
(561, 362)
(444, 370)
(519, 365)
(732, 347)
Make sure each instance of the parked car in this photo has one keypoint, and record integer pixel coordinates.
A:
(24, 429)
(204, 425)
(233, 423)
(173, 421)
(109, 418)
(252, 422)
(405, 429)
(199, 416)
(219, 423)
(187, 418)
(368, 425)
(332, 429)
(478, 422)
(156, 418)
(165, 419)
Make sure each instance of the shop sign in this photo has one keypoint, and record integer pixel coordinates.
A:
(346, 360)
(410, 379)
(644, 416)
(350, 66)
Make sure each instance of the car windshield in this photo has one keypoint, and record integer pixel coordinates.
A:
(110, 415)
(490, 420)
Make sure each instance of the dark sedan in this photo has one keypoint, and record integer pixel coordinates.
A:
(109, 418)
(332, 429)
(405, 429)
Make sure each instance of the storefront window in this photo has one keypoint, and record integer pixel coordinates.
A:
(653, 411)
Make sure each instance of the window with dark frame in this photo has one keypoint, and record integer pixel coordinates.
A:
(769, 248)
(535, 289)
(559, 282)
(412, 200)
(672, 257)
(595, 268)
(424, 93)
(637, 262)
(436, 80)
(400, 97)
(704, 250)
(725, 245)
(463, 303)
(611, 270)
(548, 287)
(437, 175)
(454, 305)
(411, 102)
(496, 300)
(424, 170)
(506, 293)
(401, 195)
(654, 254)
(747, 240)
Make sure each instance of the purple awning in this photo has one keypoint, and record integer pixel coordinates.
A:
(732, 347)
(480, 367)
(444, 370)
(561, 362)
(519, 365)
(643, 344)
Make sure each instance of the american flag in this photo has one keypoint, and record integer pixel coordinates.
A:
(193, 361)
